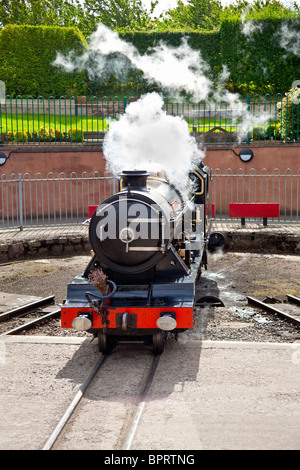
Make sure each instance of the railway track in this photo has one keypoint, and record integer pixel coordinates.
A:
(17, 320)
(130, 426)
(267, 307)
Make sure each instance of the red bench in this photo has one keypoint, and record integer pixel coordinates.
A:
(263, 210)
(92, 210)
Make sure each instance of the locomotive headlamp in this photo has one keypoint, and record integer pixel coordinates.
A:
(83, 322)
(166, 321)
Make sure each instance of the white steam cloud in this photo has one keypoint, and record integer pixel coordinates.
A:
(289, 39)
(147, 138)
(171, 68)
(249, 27)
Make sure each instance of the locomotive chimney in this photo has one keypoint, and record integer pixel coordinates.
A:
(135, 179)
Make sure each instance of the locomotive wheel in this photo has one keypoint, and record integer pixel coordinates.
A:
(105, 343)
(215, 241)
(159, 341)
(209, 301)
(199, 272)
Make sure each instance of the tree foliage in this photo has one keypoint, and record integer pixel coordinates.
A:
(41, 12)
(204, 14)
(123, 14)
(131, 15)
(84, 14)
(243, 9)
(196, 14)
(244, 36)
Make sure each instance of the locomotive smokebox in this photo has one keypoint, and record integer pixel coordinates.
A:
(134, 179)
(131, 232)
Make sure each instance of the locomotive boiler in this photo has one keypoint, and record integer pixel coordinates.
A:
(148, 247)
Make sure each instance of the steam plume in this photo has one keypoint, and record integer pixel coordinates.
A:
(172, 68)
(146, 137)
(289, 39)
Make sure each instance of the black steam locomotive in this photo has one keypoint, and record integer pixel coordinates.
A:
(148, 251)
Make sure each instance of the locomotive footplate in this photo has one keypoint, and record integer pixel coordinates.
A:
(130, 320)
(132, 307)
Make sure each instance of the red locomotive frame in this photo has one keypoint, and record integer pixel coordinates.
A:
(146, 317)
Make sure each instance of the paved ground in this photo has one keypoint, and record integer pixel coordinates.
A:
(43, 242)
(56, 232)
(66, 240)
(227, 395)
(42, 233)
(206, 395)
(257, 238)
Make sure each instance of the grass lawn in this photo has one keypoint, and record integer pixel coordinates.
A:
(62, 123)
(33, 122)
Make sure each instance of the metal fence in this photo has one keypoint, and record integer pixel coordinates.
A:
(81, 120)
(36, 201)
(257, 186)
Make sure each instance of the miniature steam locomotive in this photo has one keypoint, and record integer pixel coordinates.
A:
(149, 246)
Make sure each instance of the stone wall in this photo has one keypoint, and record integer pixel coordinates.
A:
(44, 243)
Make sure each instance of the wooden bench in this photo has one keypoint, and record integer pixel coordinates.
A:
(263, 210)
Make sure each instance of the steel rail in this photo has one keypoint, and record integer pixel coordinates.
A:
(63, 421)
(141, 406)
(293, 299)
(32, 323)
(269, 308)
(71, 408)
(27, 307)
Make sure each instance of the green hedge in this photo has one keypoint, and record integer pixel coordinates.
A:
(258, 64)
(26, 55)
(208, 42)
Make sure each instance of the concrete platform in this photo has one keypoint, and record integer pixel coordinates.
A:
(43, 242)
(70, 240)
(277, 238)
(206, 394)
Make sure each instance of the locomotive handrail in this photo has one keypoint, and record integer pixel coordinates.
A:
(102, 297)
(199, 193)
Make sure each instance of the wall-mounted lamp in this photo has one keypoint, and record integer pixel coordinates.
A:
(246, 155)
(3, 158)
